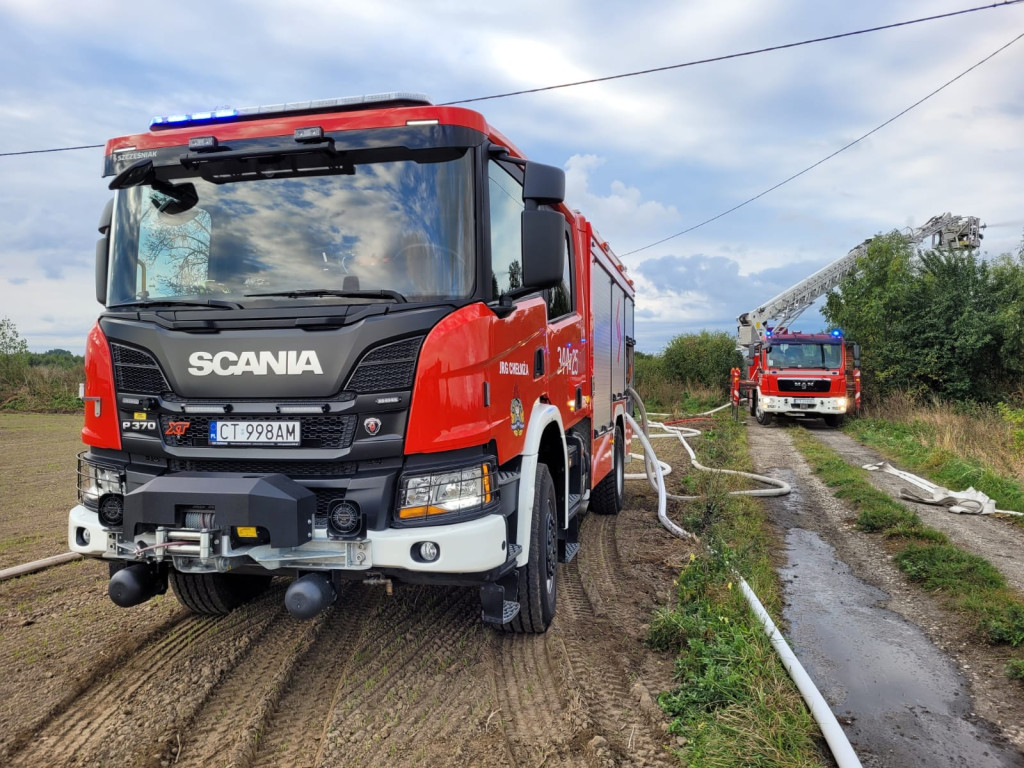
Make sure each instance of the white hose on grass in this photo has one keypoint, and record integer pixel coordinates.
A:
(834, 735)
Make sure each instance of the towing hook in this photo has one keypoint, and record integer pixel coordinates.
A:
(309, 595)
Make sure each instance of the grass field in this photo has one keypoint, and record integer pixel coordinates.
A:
(37, 483)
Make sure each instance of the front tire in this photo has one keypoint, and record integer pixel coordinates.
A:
(610, 492)
(216, 594)
(763, 417)
(538, 579)
(833, 420)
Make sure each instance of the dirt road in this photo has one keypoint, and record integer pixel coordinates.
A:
(410, 679)
(912, 681)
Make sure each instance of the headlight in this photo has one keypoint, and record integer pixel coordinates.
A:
(439, 493)
(95, 482)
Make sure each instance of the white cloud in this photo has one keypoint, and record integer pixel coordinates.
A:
(646, 157)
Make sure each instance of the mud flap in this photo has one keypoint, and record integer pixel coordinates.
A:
(500, 599)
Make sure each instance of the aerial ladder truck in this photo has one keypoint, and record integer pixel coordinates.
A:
(814, 374)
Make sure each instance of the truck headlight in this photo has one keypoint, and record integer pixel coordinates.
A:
(95, 482)
(443, 492)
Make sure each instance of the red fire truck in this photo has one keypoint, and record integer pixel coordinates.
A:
(351, 339)
(799, 374)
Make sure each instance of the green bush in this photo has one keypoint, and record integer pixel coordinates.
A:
(703, 358)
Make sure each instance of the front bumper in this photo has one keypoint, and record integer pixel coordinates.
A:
(477, 546)
(795, 406)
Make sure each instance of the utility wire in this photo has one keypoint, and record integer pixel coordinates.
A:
(43, 151)
(731, 55)
(829, 157)
(639, 72)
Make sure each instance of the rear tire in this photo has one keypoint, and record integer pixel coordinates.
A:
(608, 495)
(538, 579)
(216, 594)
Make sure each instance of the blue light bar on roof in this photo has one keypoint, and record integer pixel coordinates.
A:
(196, 118)
(395, 98)
(837, 333)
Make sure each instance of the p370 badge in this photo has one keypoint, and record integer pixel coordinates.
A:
(139, 426)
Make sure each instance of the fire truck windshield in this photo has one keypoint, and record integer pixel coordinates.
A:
(805, 355)
(365, 232)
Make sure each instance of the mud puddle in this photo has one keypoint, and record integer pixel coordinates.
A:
(901, 700)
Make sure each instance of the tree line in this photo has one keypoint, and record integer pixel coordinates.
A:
(37, 381)
(945, 324)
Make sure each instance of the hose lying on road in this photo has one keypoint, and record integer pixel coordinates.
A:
(834, 735)
(969, 502)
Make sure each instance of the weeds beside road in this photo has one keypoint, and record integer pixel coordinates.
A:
(735, 704)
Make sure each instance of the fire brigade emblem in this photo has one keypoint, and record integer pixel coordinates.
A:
(517, 413)
(372, 425)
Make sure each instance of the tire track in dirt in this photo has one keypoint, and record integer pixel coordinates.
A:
(79, 687)
(622, 711)
(141, 704)
(539, 721)
(231, 719)
(395, 700)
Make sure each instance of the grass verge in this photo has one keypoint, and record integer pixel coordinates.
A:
(735, 704)
(969, 584)
(921, 445)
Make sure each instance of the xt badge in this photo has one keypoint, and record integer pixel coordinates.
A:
(371, 425)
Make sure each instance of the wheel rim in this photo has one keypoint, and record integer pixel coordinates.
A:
(551, 551)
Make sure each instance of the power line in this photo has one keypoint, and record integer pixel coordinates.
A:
(639, 72)
(55, 149)
(829, 157)
(731, 55)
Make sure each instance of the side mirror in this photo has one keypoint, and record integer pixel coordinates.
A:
(103, 251)
(543, 184)
(856, 355)
(543, 250)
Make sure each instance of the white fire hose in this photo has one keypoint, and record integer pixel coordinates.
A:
(834, 735)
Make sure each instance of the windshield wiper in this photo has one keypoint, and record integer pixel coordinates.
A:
(208, 303)
(312, 292)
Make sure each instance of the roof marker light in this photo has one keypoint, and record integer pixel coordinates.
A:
(202, 142)
(312, 134)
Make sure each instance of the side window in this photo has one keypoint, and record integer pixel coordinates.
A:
(560, 299)
(506, 208)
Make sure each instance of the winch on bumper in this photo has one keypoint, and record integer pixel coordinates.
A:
(206, 524)
(794, 406)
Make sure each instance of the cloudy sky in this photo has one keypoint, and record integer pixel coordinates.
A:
(646, 156)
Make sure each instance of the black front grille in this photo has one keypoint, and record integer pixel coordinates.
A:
(257, 467)
(804, 385)
(317, 431)
(136, 371)
(387, 368)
